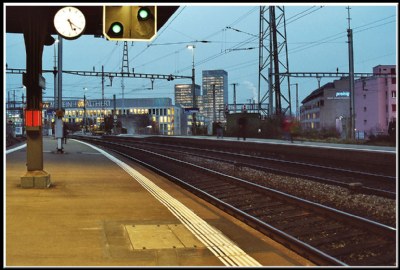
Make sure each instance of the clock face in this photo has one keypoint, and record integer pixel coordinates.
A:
(69, 22)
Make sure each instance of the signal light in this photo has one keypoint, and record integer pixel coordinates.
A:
(116, 30)
(143, 14)
(130, 23)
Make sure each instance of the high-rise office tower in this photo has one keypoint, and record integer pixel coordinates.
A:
(215, 94)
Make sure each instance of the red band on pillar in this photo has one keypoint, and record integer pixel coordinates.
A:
(33, 118)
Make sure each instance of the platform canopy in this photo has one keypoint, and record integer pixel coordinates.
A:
(16, 13)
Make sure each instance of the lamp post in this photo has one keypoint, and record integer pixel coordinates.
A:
(192, 47)
(84, 108)
(55, 74)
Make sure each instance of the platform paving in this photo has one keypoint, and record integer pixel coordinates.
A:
(95, 214)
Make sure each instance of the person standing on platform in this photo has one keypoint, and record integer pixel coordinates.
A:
(242, 128)
(65, 133)
(287, 129)
(220, 131)
(392, 130)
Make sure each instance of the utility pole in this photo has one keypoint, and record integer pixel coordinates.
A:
(273, 57)
(102, 95)
(234, 96)
(297, 101)
(84, 111)
(59, 124)
(8, 102)
(278, 106)
(114, 116)
(351, 77)
(214, 114)
(55, 76)
(192, 47)
(125, 68)
(59, 73)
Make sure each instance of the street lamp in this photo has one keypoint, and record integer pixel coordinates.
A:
(192, 47)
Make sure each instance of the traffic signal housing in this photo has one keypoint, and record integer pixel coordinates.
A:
(130, 23)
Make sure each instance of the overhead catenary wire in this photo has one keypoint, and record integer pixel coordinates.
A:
(237, 45)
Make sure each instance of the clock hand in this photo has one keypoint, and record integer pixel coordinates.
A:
(76, 26)
(72, 24)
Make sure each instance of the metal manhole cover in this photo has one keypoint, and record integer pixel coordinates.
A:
(163, 236)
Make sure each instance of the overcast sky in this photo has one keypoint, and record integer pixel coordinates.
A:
(316, 41)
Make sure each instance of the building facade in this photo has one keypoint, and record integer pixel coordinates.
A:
(376, 101)
(184, 95)
(327, 107)
(167, 117)
(215, 94)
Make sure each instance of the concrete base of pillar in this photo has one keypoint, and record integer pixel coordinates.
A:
(35, 179)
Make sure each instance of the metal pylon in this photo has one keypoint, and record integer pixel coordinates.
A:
(124, 69)
(273, 59)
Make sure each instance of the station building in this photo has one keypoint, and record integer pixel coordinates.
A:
(375, 102)
(327, 107)
(163, 113)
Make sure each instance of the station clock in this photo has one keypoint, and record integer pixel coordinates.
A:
(70, 22)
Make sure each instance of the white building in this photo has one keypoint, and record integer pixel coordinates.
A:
(167, 116)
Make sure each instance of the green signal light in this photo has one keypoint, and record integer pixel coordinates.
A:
(116, 28)
(143, 14)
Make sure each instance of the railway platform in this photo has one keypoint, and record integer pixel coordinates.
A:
(105, 211)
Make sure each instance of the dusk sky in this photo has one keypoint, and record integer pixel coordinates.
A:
(316, 40)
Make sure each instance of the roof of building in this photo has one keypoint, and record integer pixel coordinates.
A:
(318, 92)
(214, 72)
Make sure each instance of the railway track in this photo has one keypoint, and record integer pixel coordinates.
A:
(357, 181)
(322, 234)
